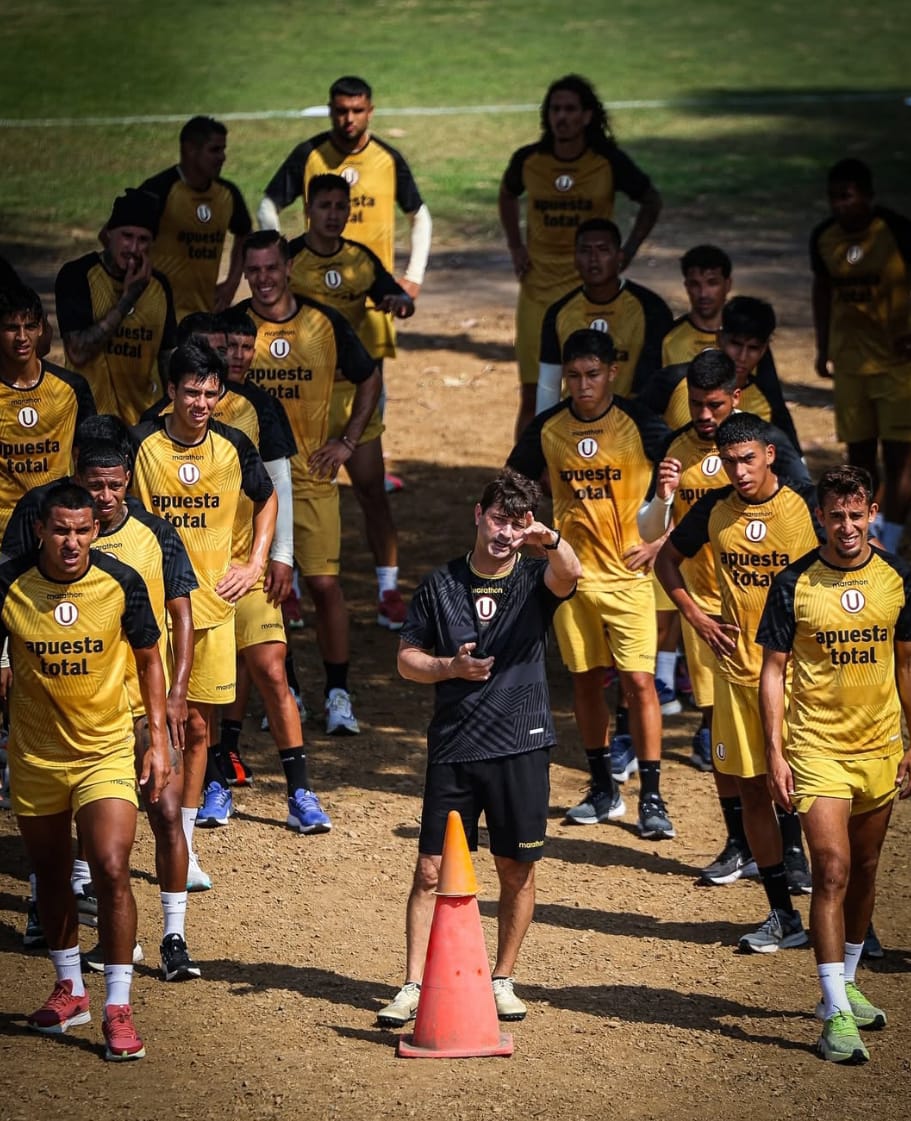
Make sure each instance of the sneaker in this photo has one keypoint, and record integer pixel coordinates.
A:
(306, 814)
(391, 611)
(866, 1015)
(61, 1010)
(33, 937)
(291, 612)
(873, 948)
(301, 709)
(509, 1007)
(217, 806)
(94, 959)
(87, 905)
(733, 863)
(401, 1008)
(340, 720)
(667, 698)
(840, 1041)
(702, 749)
(197, 879)
(653, 821)
(598, 805)
(780, 931)
(623, 761)
(176, 963)
(797, 872)
(120, 1034)
(239, 774)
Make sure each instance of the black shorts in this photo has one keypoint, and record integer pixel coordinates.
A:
(513, 792)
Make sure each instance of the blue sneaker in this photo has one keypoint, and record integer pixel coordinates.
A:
(667, 698)
(623, 762)
(306, 814)
(702, 749)
(217, 806)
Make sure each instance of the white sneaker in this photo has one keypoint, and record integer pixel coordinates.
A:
(340, 720)
(401, 1008)
(509, 1007)
(301, 708)
(197, 880)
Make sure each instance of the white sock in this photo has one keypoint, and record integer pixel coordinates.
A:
(188, 821)
(387, 578)
(117, 982)
(80, 876)
(665, 666)
(832, 982)
(174, 908)
(889, 536)
(853, 951)
(33, 887)
(68, 966)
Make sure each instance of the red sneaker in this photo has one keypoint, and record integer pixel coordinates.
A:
(120, 1034)
(392, 610)
(61, 1010)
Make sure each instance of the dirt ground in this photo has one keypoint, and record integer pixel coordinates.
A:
(638, 1004)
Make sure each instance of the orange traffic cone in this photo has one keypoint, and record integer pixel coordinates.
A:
(457, 1014)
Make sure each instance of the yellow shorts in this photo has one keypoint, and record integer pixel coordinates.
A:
(701, 664)
(738, 746)
(377, 333)
(603, 628)
(317, 533)
(40, 787)
(529, 321)
(663, 601)
(866, 781)
(340, 413)
(256, 620)
(873, 406)
(212, 677)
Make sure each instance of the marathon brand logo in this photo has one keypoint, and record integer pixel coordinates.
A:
(28, 458)
(842, 645)
(202, 246)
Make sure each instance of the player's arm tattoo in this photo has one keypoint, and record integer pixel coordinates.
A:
(82, 346)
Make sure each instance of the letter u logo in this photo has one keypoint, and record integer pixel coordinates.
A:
(564, 182)
(587, 447)
(852, 600)
(203, 213)
(486, 607)
(188, 473)
(350, 175)
(600, 325)
(711, 465)
(28, 416)
(279, 348)
(755, 531)
(333, 278)
(65, 613)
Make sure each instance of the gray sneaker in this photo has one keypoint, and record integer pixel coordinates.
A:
(401, 1008)
(731, 864)
(780, 931)
(94, 959)
(509, 1007)
(598, 805)
(654, 823)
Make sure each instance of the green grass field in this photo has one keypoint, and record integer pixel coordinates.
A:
(729, 156)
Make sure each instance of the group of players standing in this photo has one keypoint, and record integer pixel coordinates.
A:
(226, 483)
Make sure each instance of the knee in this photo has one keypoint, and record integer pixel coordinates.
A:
(111, 870)
(323, 590)
(639, 688)
(516, 877)
(830, 874)
(426, 876)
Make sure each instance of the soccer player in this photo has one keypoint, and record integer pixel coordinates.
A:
(196, 210)
(599, 451)
(841, 617)
(572, 171)
(193, 470)
(71, 616)
(343, 274)
(116, 313)
(381, 180)
(636, 318)
(707, 279)
(40, 403)
(756, 526)
(299, 347)
(477, 631)
(861, 261)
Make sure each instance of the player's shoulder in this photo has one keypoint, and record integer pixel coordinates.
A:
(572, 296)
(234, 436)
(12, 568)
(680, 437)
(78, 268)
(645, 296)
(61, 373)
(118, 570)
(296, 246)
(161, 183)
(893, 561)
(820, 228)
(386, 147)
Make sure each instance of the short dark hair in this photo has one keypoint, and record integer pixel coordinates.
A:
(101, 453)
(706, 257)
(845, 482)
(237, 322)
(197, 130)
(350, 86)
(598, 130)
(854, 171)
(17, 299)
(748, 316)
(589, 343)
(68, 496)
(201, 323)
(265, 239)
(322, 183)
(712, 369)
(512, 492)
(199, 359)
(104, 428)
(600, 225)
(742, 428)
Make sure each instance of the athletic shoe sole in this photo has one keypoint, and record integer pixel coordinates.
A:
(64, 1025)
(308, 830)
(617, 810)
(788, 942)
(747, 872)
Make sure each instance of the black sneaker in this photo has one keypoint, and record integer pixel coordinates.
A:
(654, 823)
(797, 872)
(176, 963)
(87, 905)
(731, 864)
(33, 936)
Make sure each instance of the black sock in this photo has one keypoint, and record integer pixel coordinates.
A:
(336, 676)
(775, 883)
(732, 809)
(294, 763)
(649, 778)
(290, 674)
(230, 735)
(789, 824)
(214, 770)
(621, 721)
(599, 765)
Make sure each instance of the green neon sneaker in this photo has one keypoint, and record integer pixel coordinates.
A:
(840, 1041)
(866, 1015)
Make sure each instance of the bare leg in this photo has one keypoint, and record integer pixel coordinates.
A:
(365, 469)
(108, 828)
(759, 821)
(331, 617)
(419, 914)
(48, 842)
(514, 915)
(644, 713)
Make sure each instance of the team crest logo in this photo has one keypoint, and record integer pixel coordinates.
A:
(587, 447)
(755, 531)
(204, 212)
(188, 473)
(350, 175)
(66, 613)
(564, 182)
(852, 600)
(600, 325)
(333, 278)
(719, 751)
(279, 348)
(711, 465)
(28, 416)
(486, 608)
(854, 254)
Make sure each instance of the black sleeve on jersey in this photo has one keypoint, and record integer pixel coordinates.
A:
(513, 177)
(9, 278)
(777, 624)
(407, 194)
(240, 222)
(288, 182)
(276, 440)
(807, 491)
(903, 622)
(74, 299)
(693, 531)
(817, 264)
(384, 283)
(527, 457)
(19, 538)
(658, 320)
(179, 577)
(11, 568)
(653, 432)
(159, 186)
(657, 392)
(255, 481)
(419, 629)
(155, 410)
(169, 332)
(353, 360)
(85, 402)
(138, 619)
(900, 228)
(628, 178)
(550, 350)
(788, 464)
(765, 377)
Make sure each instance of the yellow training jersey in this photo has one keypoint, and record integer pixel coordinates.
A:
(600, 474)
(69, 646)
(192, 227)
(840, 626)
(684, 340)
(124, 377)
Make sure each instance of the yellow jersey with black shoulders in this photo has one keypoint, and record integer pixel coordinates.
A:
(600, 472)
(37, 426)
(196, 488)
(192, 227)
(869, 275)
(840, 626)
(69, 647)
(684, 340)
(124, 376)
(636, 319)
(561, 195)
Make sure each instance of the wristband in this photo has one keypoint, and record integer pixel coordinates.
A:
(349, 444)
(557, 539)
